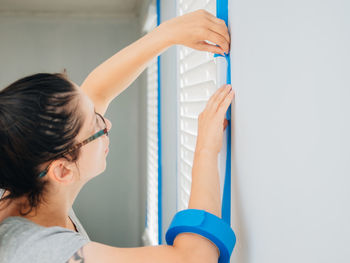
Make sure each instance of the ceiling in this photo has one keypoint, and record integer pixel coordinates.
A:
(108, 7)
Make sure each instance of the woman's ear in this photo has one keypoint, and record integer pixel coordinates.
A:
(62, 171)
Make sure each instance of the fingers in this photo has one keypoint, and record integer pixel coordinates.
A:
(219, 99)
(212, 100)
(225, 103)
(204, 46)
(218, 26)
(218, 39)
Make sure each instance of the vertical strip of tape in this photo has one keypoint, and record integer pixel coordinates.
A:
(222, 13)
(159, 142)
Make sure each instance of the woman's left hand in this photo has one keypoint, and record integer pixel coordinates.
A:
(195, 29)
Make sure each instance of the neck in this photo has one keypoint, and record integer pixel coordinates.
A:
(53, 212)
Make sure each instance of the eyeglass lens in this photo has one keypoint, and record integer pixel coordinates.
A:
(101, 122)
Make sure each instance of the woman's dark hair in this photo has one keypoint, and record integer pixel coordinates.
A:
(39, 120)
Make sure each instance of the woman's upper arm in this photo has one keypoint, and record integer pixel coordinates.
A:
(94, 252)
(100, 103)
(187, 248)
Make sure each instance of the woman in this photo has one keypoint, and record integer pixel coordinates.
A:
(54, 139)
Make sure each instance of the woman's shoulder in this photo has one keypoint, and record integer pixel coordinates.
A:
(22, 240)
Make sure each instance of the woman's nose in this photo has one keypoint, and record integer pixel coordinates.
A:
(109, 124)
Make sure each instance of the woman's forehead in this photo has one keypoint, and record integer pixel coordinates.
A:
(85, 99)
(88, 109)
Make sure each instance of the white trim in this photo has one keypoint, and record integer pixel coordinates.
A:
(151, 20)
(150, 236)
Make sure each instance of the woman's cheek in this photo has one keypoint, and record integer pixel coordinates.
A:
(91, 159)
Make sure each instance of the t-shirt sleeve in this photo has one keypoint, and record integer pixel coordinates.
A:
(42, 244)
(55, 245)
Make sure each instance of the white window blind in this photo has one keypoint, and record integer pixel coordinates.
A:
(150, 236)
(197, 83)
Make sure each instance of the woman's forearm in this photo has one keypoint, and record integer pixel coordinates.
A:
(114, 75)
(205, 195)
(205, 188)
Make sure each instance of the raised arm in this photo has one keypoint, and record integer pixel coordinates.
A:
(115, 74)
(205, 195)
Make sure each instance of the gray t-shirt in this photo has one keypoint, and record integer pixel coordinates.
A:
(22, 240)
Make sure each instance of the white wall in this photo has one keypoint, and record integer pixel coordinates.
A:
(291, 157)
(109, 205)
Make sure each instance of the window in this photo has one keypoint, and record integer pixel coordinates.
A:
(197, 76)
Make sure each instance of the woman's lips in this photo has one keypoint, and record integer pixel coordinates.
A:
(106, 151)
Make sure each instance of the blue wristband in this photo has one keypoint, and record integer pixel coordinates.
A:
(205, 224)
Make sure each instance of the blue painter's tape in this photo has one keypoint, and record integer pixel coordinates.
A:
(205, 224)
(222, 10)
(222, 13)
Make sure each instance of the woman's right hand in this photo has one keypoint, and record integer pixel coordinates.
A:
(212, 121)
(195, 29)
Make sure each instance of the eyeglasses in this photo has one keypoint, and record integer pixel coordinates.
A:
(77, 146)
